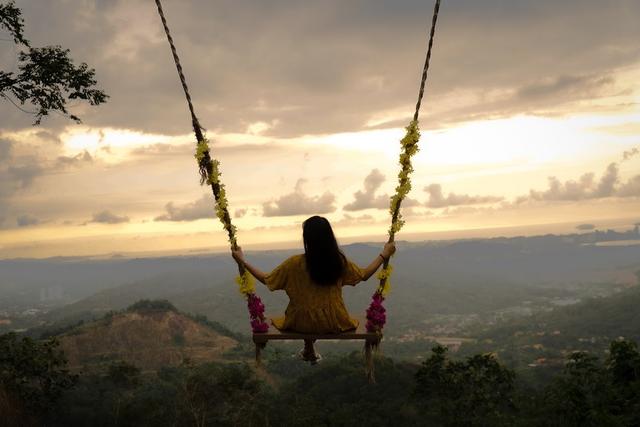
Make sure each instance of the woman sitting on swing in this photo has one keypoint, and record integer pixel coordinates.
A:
(313, 281)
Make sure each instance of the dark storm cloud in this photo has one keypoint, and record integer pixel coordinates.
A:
(316, 67)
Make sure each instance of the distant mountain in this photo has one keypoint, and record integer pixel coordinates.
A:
(149, 335)
(26, 283)
(445, 278)
(550, 259)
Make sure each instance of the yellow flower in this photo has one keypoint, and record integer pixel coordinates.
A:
(409, 147)
(385, 273)
(385, 288)
(246, 284)
(203, 147)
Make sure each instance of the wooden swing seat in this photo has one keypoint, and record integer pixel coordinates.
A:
(371, 339)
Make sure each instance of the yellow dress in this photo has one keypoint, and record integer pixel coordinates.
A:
(312, 308)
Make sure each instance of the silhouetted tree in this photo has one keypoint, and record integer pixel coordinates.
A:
(33, 374)
(47, 78)
(219, 395)
(623, 365)
(475, 392)
(581, 395)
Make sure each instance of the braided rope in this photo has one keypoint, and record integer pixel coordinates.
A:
(196, 124)
(425, 69)
(409, 145)
(210, 174)
(423, 82)
(209, 171)
(204, 158)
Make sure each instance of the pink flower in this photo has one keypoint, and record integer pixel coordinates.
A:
(256, 313)
(376, 314)
(258, 325)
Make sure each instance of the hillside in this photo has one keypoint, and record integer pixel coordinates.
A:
(149, 338)
(547, 338)
(438, 287)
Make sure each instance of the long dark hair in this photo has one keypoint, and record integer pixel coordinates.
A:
(325, 260)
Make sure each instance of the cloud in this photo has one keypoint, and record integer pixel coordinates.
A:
(327, 66)
(5, 149)
(108, 217)
(23, 175)
(23, 162)
(201, 208)
(586, 187)
(631, 188)
(567, 85)
(239, 213)
(351, 220)
(627, 155)
(438, 200)
(298, 203)
(366, 199)
(26, 220)
(15, 175)
(585, 227)
(66, 161)
(49, 136)
(162, 149)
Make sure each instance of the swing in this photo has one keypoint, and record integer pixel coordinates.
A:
(371, 333)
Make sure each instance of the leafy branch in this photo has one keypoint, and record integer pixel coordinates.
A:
(47, 77)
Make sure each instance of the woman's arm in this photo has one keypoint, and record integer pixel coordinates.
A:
(388, 250)
(255, 271)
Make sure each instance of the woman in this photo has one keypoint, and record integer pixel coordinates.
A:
(313, 281)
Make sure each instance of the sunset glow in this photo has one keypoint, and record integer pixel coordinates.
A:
(125, 180)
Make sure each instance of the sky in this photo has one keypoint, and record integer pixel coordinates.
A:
(530, 123)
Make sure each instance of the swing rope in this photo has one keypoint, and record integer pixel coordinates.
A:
(210, 174)
(376, 313)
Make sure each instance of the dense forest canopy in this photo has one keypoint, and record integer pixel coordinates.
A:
(476, 391)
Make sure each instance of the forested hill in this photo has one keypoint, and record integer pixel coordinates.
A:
(449, 278)
(149, 334)
(546, 338)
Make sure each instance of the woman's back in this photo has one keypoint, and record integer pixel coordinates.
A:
(312, 308)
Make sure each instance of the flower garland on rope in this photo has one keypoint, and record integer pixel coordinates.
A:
(210, 174)
(376, 313)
